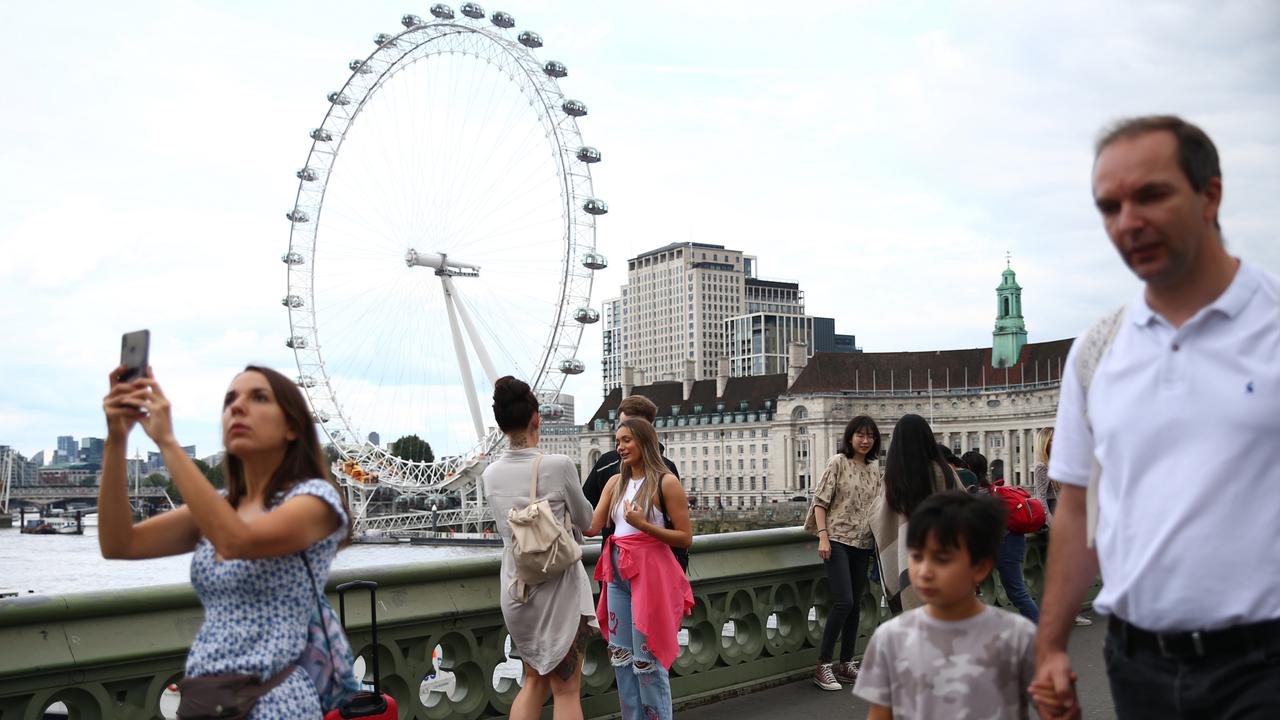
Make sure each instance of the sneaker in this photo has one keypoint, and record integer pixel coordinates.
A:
(1082, 621)
(846, 672)
(824, 678)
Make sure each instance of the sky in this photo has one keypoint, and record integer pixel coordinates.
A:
(884, 155)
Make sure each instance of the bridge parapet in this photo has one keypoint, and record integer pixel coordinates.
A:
(761, 598)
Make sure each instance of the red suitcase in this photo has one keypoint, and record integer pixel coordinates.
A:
(377, 704)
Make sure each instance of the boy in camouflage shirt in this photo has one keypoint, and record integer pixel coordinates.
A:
(956, 656)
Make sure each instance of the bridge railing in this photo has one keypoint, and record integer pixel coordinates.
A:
(761, 600)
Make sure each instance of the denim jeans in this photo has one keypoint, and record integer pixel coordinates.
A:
(1146, 685)
(1013, 550)
(644, 686)
(847, 577)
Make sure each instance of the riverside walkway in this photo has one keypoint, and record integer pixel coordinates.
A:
(802, 699)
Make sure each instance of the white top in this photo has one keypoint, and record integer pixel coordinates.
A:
(1187, 429)
(620, 525)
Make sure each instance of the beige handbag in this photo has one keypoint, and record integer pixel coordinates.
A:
(542, 547)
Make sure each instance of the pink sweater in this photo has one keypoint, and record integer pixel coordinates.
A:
(660, 592)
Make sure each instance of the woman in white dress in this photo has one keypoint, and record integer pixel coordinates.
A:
(551, 623)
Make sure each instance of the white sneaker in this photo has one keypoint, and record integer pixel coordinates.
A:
(1082, 621)
(824, 678)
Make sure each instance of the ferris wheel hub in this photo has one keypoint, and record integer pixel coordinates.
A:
(441, 263)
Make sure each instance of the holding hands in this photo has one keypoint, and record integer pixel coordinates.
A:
(1054, 688)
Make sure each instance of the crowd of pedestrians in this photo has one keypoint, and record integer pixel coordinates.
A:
(1190, 583)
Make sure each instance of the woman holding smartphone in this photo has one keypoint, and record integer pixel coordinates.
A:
(646, 591)
(262, 547)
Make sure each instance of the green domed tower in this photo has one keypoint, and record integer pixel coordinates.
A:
(1011, 332)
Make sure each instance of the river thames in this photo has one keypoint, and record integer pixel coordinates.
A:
(55, 564)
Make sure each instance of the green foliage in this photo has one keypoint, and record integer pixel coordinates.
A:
(215, 476)
(331, 453)
(155, 480)
(412, 447)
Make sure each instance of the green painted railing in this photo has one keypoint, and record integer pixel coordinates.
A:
(761, 599)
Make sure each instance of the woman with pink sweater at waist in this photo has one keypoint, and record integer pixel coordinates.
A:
(646, 591)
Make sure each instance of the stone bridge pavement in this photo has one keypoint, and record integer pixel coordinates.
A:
(801, 699)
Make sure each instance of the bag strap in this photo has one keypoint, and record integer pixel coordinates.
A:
(1097, 341)
(319, 593)
(533, 479)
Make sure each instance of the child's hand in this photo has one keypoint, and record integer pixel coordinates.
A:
(1051, 704)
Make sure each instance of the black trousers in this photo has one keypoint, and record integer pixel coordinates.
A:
(847, 576)
(1145, 684)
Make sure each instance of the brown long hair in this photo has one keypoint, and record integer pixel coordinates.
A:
(304, 457)
(654, 469)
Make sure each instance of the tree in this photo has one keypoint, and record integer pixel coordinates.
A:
(414, 448)
(214, 474)
(155, 480)
(331, 452)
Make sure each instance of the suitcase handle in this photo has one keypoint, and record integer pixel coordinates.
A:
(372, 587)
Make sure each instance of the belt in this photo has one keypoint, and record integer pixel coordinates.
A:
(1233, 640)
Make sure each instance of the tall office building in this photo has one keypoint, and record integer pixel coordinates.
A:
(674, 305)
(611, 345)
(68, 450)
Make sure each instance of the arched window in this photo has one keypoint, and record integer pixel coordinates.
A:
(1006, 307)
(800, 413)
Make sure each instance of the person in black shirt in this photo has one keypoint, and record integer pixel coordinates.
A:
(607, 466)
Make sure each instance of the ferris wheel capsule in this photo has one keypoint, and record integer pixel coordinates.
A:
(292, 258)
(472, 10)
(296, 215)
(295, 342)
(503, 20)
(338, 98)
(586, 315)
(595, 261)
(306, 174)
(306, 381)
(358, 67)
(575, 108)
(442, 11)
(384, 39)
(595, 206)
(410, 21)
(551, 410)
(292, 301)
(555, 69)
(320, 417)
(572, 367)
(588, 154)
(321, 135)
(530, 39)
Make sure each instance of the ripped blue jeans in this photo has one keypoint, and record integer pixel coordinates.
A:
(644, 686)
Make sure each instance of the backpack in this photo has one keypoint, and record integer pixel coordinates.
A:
(327, 656)
(1093, 346)
(541, 547)
(1026, 514)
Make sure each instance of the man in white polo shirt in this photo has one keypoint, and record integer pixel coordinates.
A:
(1183, 418)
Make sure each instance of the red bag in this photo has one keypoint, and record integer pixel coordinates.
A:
(1026, 514)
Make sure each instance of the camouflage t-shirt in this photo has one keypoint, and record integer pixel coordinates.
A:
(928, 669)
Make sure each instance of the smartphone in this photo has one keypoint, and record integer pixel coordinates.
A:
(134, 349)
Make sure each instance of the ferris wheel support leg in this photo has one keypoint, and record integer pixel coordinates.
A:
(463, 364)
(481, 352)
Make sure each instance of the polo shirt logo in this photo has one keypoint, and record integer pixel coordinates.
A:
(1249, 388)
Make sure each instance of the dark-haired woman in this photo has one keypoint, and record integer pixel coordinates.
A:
(914, 469)
(262, 549)
(1013, 548)
(842, 505)
(646, 591)
(551, 622)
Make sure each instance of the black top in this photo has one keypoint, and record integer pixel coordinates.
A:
(608, 466)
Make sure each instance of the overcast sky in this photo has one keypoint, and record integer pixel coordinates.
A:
(884, 155)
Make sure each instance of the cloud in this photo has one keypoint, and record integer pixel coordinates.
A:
(884, 155)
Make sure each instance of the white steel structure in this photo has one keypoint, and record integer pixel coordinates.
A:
(452, 243)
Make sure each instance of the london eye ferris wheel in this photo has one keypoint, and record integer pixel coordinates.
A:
(443, 235)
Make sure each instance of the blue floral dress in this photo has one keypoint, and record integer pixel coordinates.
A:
(256, 614)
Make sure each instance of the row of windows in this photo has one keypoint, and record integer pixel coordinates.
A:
(694, 484)
(714, 449)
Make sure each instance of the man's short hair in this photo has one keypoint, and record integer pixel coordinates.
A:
(954, 517)
(1197, 155)
(639, 406)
